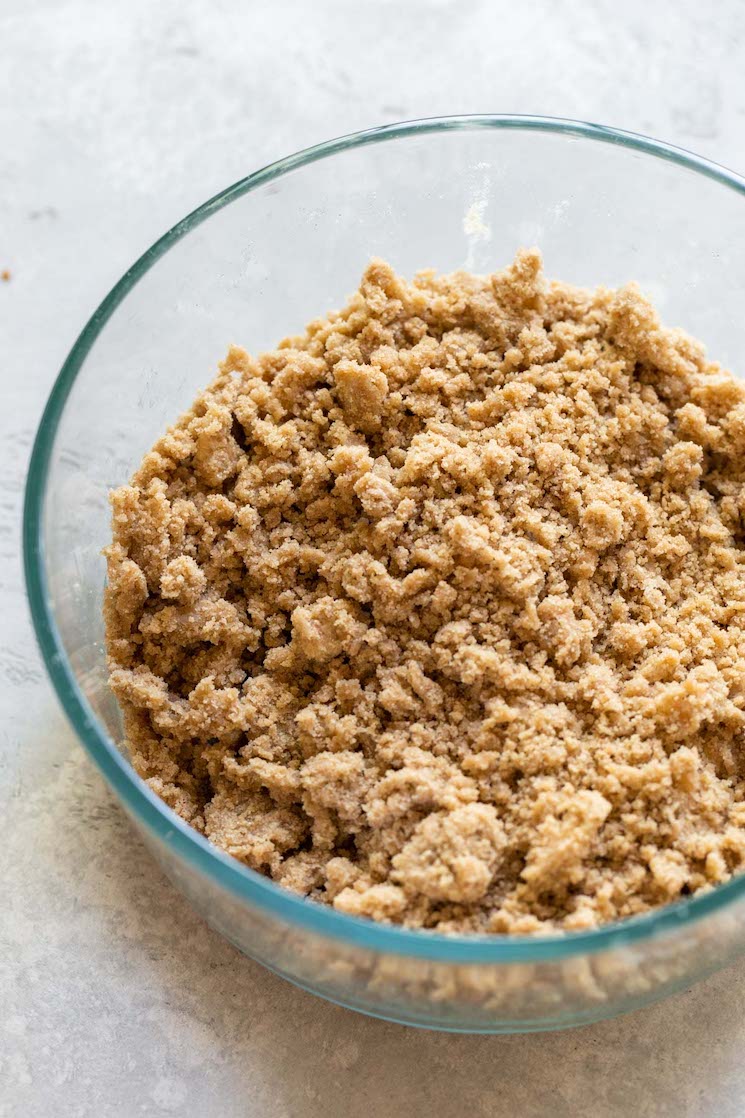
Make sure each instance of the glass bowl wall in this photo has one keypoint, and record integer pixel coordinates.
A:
(255, 264)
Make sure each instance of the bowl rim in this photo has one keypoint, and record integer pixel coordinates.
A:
(137, 798)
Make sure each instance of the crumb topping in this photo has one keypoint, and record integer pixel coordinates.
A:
(435, 612)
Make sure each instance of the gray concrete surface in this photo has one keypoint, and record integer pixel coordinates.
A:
(115, 119)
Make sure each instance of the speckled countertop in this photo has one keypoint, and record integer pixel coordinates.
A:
(115, 119)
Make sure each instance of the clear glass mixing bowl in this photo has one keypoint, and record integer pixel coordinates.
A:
(256, 263)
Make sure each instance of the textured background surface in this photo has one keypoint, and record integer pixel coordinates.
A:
(115, 119)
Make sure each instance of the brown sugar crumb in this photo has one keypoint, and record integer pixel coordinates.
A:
(5, 275)
(436, 613)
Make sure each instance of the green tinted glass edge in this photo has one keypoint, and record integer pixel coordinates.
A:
(135, 795)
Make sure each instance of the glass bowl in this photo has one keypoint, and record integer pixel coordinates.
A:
(256, 263)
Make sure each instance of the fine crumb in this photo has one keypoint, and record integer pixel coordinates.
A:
(436, 613)
(5, 275)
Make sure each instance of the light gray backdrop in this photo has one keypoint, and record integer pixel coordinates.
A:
(116, 118)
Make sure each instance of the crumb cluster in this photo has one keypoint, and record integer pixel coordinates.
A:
(436, 613)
